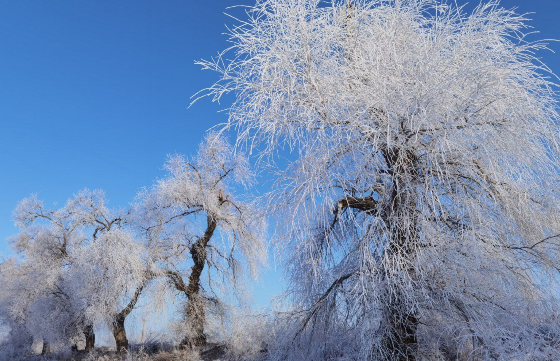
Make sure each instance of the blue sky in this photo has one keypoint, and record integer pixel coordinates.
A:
(95, 94)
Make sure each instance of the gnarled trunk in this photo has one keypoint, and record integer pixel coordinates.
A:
(119, 332)
(196, 315)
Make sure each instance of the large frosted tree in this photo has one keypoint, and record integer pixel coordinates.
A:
(421, 208)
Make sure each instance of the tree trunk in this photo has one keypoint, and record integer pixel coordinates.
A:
(196, 315)
(90, 338)
(401, 340)
(119, 332)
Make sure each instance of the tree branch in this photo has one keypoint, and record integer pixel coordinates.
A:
(322, 299)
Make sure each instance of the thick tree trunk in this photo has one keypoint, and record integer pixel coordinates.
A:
(401, 340)
(90, 338)
(196, 315)
(119, 332)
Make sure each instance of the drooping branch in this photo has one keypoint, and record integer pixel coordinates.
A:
(531, 247)
(316, 306)
(177, 280)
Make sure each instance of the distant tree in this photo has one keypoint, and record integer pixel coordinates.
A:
(19, 304)
(38, 283)
(113, 267)
(422, 212)
(16, 338)
(114, 274)
(78, 265)
(196, 225)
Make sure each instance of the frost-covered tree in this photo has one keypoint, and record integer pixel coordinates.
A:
(19, 336)
(112, 268)
(78, 266)
(38, 292)
(421, 212)
(196, 226)
(113, 271)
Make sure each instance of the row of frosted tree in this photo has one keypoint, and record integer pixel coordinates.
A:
(415, 155)
(85, 264)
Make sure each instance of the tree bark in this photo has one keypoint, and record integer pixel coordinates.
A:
(119, 331)
(196, 315)
(401, 340)
(90, 338)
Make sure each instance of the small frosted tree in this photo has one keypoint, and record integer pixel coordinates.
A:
(38, 286)
(422, 210)
(111, 269)
(196, 225)
(113, 272)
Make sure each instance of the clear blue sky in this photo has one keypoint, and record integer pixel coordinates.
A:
(95, 93)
